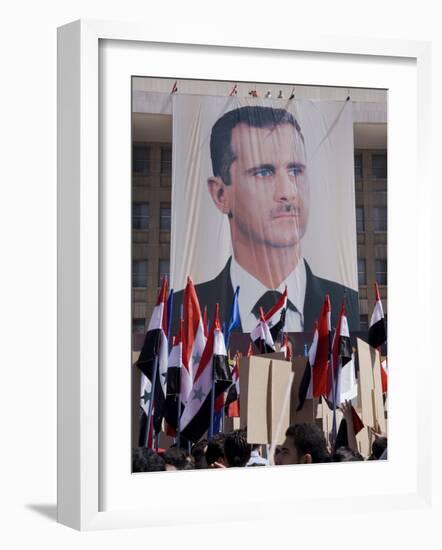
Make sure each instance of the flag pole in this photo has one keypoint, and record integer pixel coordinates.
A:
(154, 379)
(330, 355)
(212, 403)
(178, 421)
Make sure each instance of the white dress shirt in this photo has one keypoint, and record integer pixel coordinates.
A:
(251, 290)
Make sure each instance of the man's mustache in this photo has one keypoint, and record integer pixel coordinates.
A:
(286, 208)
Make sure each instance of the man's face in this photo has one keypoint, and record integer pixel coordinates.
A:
(268, 196)
(287, 453)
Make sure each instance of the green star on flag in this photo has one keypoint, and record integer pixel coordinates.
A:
(198, 394)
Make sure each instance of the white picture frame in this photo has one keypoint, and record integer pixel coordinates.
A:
(83, 443)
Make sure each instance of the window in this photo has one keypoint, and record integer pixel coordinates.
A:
(381, 272)
(362, 272)
(358, 167)
(139, 273)
(380, 218)
(379, 166)
(138, 326)
(166, 162)
(163, 270)
(363, 321)
(165, 216)
(141, 160)
(360, 224)
(140, 215)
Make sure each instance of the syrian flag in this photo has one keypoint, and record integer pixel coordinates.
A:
(306, 384)
(232, 400)
(174, 369)
(377, 334)
(285, 348)
(154, 354)
(213, 372)
(348, 383)
(275, 317)
(194, 340)
(261, 335)
(235, 320)
(145, 397)
(341, 354)
(320, 365)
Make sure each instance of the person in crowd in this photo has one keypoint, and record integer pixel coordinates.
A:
(215, 451)
(379, 448)
(146, 460)
(199, 454)
(236, 449)
(304, 444)
(255, 457)
(345, 454)
(178, 459)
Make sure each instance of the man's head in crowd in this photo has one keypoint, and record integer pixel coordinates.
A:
(199, 454)
(378, 448)
(146, 460)
(215, 450)
(345, 454)
(178, 459)
(236, 449)
(304, 444)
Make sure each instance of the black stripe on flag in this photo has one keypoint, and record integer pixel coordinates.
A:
(377, 335)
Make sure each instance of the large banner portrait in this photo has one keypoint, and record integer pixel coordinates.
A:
(263, 199)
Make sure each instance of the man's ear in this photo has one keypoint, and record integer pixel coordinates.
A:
(219, 193)
(306, 459)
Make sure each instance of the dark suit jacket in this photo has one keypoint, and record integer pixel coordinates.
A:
(220, 290)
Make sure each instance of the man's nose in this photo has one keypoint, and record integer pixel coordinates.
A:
(285, 187)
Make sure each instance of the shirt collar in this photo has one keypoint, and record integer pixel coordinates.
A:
(251, 289)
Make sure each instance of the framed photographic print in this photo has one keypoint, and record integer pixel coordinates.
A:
(253, 182)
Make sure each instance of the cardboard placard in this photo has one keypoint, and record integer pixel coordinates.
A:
(254, 375)
(378, 399)
(366, 356)
(278, 415)
(264, 382)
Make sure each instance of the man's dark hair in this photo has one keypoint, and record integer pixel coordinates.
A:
(236, 449)
(345, 454)
(215, 448)
(309, 439)
(378, 447)
(253, 116)
(146, 460)
(199, 454)
(180, 458)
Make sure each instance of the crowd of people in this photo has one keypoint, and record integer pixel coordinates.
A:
(303, 444)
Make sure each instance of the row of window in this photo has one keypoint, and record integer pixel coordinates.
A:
(141, 215)
(141, 161)
(380, 272)
(378, 166)
(139, 272)
(379, 219)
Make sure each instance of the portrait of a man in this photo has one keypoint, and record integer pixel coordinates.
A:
(260, 182)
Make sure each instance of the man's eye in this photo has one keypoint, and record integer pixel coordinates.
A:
(263, 172)
(296, 171)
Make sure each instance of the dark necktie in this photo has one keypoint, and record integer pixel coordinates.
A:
(268, 300)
